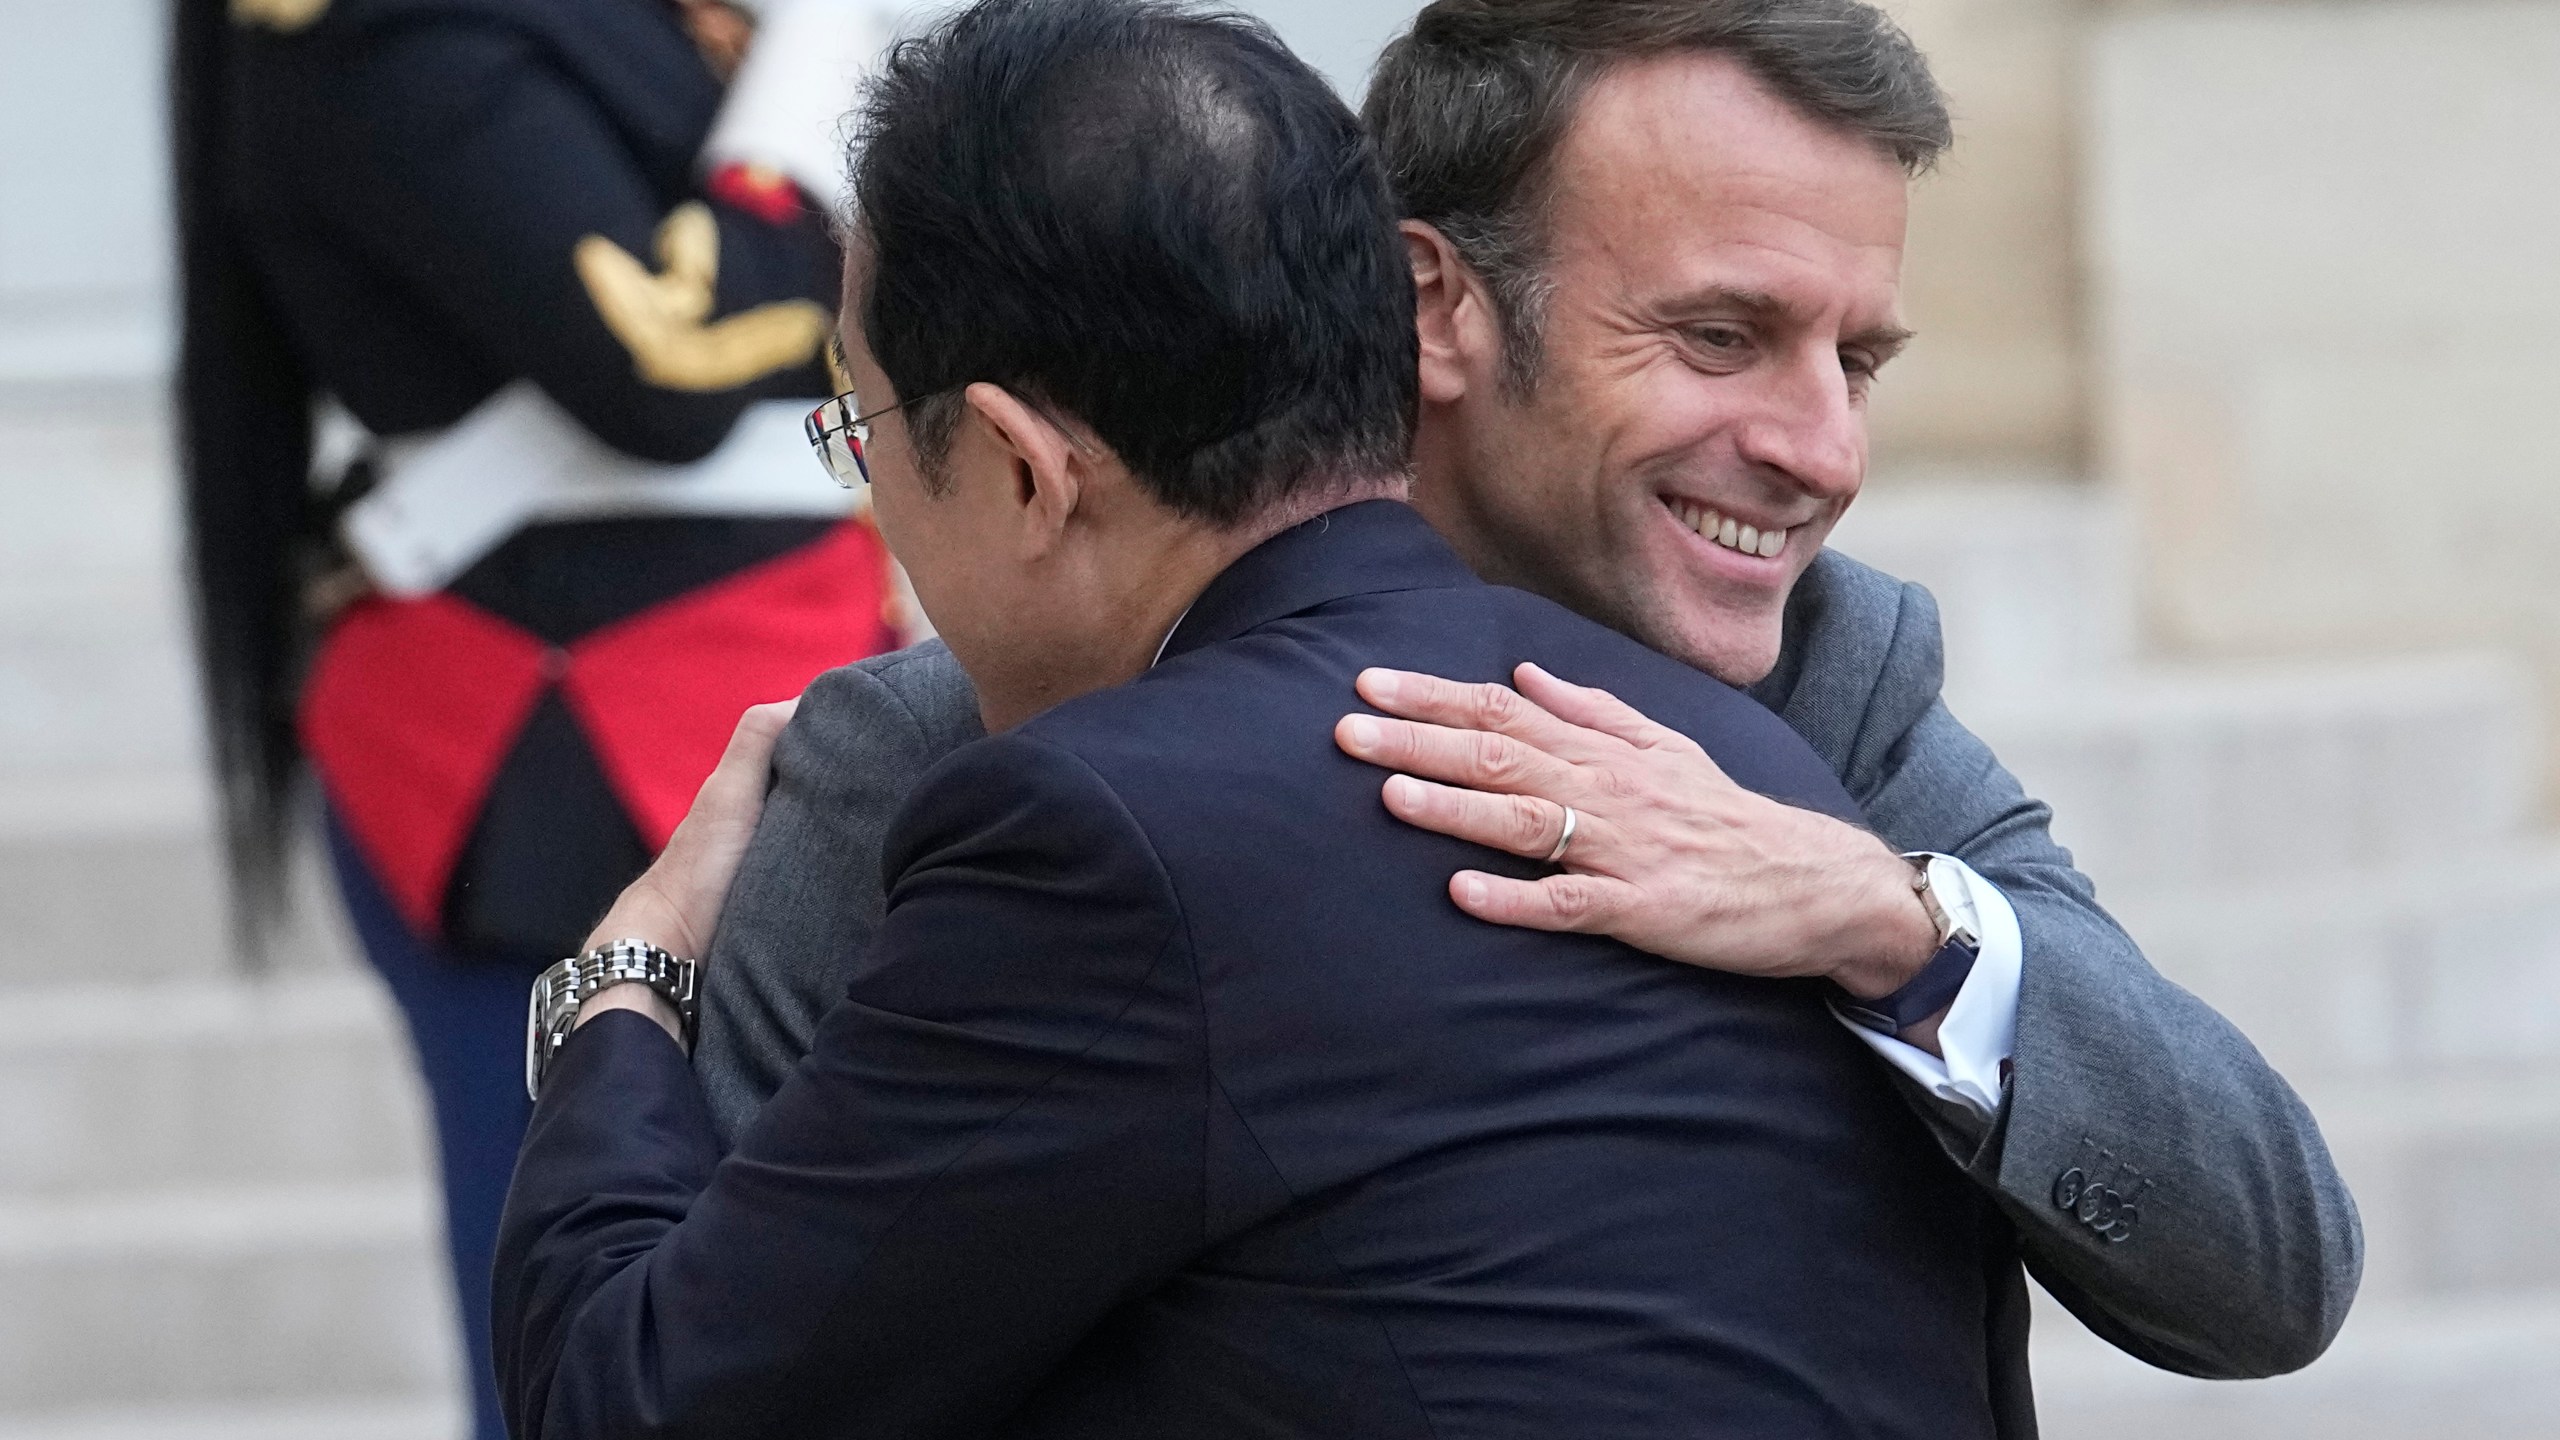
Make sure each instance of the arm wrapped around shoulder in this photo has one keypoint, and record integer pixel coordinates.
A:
(996, 1141)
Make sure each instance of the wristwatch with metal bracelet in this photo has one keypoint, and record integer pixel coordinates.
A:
(1939, 981)
(563, 988)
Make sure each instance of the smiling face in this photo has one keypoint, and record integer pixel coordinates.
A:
(1723, 278)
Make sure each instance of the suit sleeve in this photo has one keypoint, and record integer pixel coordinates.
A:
(478, 175)
(2243, 1250)
(809, 895)
(996, 1141)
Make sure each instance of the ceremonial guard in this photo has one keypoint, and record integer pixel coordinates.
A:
(501, 319)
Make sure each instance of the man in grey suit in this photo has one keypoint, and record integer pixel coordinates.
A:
(1657, 247)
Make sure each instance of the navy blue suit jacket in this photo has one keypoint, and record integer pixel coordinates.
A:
(1175, 1099)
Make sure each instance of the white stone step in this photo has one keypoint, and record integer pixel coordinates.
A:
(95, 662)
(2399, 1371)
(295, 1080)
(2212, 776)
(419, 1417)
(94, 891)
(109, 907)
(2457, 1178)
(223, 1295)
(2449, 964)
(83, 688)
(89, 484)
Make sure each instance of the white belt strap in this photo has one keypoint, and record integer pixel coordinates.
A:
(443, 502)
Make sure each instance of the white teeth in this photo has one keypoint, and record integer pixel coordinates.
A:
(1732, 534)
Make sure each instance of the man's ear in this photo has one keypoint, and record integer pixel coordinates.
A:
(1047, 470)
(1452, 315)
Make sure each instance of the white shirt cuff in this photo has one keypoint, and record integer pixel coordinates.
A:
(1980, 1032)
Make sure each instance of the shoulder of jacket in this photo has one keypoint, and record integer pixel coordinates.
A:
(1860, 661)
(1034, 793)
(1848, 613)
(922, 686)
(1850, 594)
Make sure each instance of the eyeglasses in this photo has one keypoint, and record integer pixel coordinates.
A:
(839, 434)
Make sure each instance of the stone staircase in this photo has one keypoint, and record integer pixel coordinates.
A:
(216, 1214)
(2340, 857)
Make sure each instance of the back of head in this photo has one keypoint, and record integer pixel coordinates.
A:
(1152, 218)
(1470, 105)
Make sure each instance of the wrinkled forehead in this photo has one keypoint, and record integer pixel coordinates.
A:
(1685, 170)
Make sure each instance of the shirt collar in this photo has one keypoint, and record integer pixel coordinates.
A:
(1370, 548)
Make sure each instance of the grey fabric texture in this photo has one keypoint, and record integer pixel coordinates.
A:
(2235, 1247)
(809, 894)
(2246, 1249)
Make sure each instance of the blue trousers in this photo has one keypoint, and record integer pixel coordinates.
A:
(466, 1020)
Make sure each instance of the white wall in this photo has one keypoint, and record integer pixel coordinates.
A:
(2326, 251)
(84, 266)
(83, 217)
(1338, 37)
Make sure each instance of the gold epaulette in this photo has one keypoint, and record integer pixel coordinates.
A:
(663, 317)
(284, 16)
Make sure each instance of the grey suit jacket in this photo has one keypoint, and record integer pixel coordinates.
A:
(2165, 1183)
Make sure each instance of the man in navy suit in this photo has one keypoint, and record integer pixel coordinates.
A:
(1158, 1107)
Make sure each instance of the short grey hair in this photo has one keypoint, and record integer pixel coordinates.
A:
(1469, 106)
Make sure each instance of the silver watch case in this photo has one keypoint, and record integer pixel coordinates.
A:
(559, 992)
(1924, 883)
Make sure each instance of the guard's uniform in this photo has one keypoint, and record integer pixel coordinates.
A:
(461, 206)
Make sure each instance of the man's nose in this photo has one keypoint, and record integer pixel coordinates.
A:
(1809, 429)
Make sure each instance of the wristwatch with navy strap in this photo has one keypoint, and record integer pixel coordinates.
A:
(563, 988)
(1939, 981)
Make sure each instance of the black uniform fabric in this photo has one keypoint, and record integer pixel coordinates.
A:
(553, 845)
(1174, 1099)
(415, 176)
(413, 179)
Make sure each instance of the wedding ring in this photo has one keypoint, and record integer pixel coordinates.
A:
(1556, 856)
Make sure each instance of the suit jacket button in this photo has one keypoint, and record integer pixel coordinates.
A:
(2067, 1187)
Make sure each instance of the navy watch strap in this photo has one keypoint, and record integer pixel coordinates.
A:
(1932, 990)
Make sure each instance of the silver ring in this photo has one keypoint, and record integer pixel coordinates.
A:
(1556, 856)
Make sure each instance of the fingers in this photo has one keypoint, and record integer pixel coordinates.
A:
(748, 762)
(1479, 760)
(1520, 824)
(1582, 904)
(682, 893)
(1595, 710)
(1430, 700)
(706, 846)
(761, 726)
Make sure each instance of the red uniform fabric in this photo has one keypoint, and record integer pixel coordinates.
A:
(766, 194)
(414, 704)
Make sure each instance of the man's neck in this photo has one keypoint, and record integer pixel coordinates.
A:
(1159, 570)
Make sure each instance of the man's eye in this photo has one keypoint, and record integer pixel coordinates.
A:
(1859, 364)
(1721, 337)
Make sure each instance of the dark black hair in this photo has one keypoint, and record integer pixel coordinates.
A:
(244, 425)
(1150, 217)
(1470, 105)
